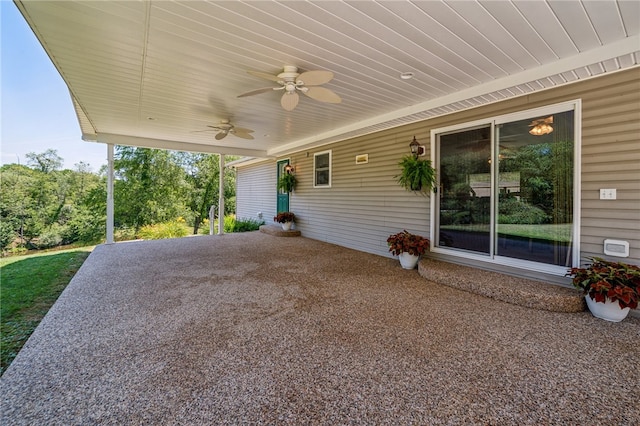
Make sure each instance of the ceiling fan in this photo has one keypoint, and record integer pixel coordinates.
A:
(291, 81)
(225, 128)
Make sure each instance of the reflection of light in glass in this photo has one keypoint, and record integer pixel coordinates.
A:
(541, 129)
(542, 126)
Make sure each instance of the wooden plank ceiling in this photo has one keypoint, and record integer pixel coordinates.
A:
(156, 73)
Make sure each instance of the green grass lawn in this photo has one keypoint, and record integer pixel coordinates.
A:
(29, 285)
(552, 232)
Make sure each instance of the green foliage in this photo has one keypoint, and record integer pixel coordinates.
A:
(515, 211)
(7, 234)
(287, 182)
(49, 238)
(30, 285)
(150, 187)
(231, 224)
(124, 233)
(615, 280)
(46, 205)
(49, 207)
(172, 229)
(45, 162)
(416, 174)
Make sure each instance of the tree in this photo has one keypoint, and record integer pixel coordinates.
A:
(45, 162)
(150, 186)
(203, 176)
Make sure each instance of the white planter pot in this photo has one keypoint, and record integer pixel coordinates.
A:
(287, 226)
(610, 311)
(408, 261)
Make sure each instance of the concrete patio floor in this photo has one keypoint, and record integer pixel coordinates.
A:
(256, 329)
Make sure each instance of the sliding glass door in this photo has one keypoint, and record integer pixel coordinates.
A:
(465, 190)
(535, 194)
(506, 188)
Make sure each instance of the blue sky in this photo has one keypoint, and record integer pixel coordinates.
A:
(36, 110)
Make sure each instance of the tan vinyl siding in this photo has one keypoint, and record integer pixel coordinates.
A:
(256, 191)
(611, 159)
(365, 204)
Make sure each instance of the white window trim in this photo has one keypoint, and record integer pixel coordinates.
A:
(315, 185)
(576, 106)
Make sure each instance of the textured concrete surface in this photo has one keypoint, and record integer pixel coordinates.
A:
(519, 291)
(254, 329)
(277, 231)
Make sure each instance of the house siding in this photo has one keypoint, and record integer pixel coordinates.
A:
(365, 204)
(256, 191)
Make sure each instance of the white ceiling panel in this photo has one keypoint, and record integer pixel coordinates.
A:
(156, 73)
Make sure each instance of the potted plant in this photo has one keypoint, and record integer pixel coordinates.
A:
(408, 247)
(611, 289)
(416, 174)
(287, 182)
(286, 219)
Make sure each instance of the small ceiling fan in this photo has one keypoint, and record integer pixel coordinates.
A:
(291, 81)
(225, 128)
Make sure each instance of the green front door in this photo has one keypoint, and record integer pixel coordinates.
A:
(283, 197)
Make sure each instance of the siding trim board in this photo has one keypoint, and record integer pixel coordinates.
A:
(370, 205)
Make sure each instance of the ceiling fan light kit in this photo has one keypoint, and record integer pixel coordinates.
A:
(541, 126)
(292, 82)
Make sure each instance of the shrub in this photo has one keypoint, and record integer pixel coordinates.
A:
(7, 234)
(52, 237)
(518, 212)
(173, 229)
(124, 233)
(232, 224)
(247, 225)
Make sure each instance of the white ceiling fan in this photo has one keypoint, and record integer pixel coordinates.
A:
(291, 81)
(225, 128)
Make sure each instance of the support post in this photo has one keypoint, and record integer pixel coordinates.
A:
(110, 239)
(221, 198)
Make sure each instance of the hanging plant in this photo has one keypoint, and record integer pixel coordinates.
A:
(416, 175)
(287, 182)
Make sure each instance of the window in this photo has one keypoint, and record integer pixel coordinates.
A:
(322, 170)
(507, 191)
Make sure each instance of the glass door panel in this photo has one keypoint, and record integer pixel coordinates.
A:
(464, 216)
(283, 196)
(535, 189)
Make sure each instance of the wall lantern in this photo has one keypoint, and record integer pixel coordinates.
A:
(288, 169)
(416, 148)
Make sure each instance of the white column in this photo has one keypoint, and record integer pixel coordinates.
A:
(110, 193)
(221, 198)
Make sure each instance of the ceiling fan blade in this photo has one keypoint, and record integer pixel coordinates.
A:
(221, 135)
(258, 91)
(243, 135)
(289, 100)
(315, 78)
(322, 94)
(264, 75)
(242, 130)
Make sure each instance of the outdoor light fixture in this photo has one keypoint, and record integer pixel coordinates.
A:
(289, 169)
(416, 149)
(541, 129)
(541, 126)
